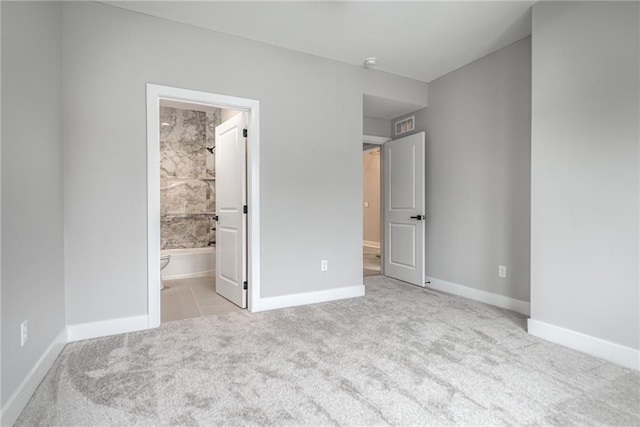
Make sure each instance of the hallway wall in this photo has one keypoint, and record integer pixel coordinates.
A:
(371, 195)
(376, 126)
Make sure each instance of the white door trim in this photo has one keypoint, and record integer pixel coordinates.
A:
(154, 94)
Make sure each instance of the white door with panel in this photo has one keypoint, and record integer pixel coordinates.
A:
(404, 211)
(231, 196)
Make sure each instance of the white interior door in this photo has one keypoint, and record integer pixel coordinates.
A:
(404, 213)
(231, 228)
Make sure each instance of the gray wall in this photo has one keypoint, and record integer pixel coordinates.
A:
(32, 190)
(584, 249)
(478, 129)
(376, 126)
(311, 156)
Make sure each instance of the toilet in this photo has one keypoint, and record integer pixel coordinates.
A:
(164, 260)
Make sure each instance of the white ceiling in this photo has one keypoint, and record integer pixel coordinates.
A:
(420, 40)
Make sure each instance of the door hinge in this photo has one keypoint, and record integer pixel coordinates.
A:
(244, 133)
(245, 284)
(245, 209)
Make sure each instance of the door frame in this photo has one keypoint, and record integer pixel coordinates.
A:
(155, 93)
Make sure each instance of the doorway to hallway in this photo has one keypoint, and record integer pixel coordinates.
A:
(372, 210)
(394, 208)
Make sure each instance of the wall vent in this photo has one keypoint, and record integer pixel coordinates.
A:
(405, 125)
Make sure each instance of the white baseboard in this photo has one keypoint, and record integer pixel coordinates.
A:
(190, 275)
(305, 298)
(616, 353)
(27, 387)
(84, 331)
(371, 244)
(478, 295)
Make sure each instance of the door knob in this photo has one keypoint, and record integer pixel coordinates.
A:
(419, 217)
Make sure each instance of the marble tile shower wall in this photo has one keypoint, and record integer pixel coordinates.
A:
(187, 177)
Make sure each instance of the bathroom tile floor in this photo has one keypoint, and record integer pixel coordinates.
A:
(186, 298)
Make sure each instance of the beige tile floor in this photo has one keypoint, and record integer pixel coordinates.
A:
(186, 298)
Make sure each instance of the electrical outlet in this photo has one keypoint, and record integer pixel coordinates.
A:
(502, 271)
(24, 333)
(366, 204)
(324, 265)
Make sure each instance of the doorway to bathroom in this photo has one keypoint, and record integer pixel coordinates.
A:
(202, 186)
(203, 203)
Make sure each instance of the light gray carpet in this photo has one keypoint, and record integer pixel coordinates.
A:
(400, 355)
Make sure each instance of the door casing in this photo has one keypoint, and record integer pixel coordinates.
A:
(155, 93)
